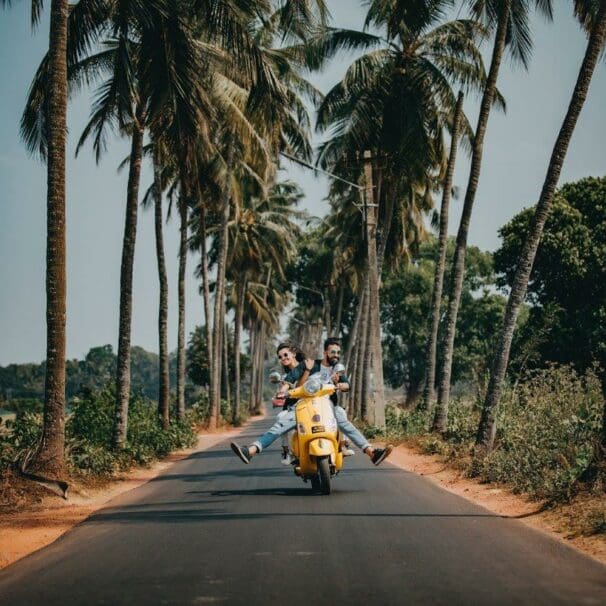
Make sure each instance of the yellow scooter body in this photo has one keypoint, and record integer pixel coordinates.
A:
(316, 433)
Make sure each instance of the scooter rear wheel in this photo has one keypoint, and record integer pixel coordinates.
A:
(324, 474)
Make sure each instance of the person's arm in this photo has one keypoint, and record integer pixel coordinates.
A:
(342, 383)
(306, 367)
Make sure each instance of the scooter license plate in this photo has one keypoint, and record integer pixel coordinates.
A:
(318, 429)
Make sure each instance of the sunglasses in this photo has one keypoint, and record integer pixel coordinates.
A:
(284, 355)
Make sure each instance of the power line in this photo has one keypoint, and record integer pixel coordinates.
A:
(316, 169)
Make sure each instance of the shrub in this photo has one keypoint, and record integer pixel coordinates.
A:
(19, 437)
(89, 435)
(405, 422)
(549, 430)
(199, 412)
(92, 417)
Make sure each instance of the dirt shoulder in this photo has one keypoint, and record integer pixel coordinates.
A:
(559, 522)
(23, 532)
(41, 523)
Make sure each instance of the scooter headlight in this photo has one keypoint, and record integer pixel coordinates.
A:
(312, 386)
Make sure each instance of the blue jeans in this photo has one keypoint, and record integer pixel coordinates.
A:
(286, 421)
(349, 429)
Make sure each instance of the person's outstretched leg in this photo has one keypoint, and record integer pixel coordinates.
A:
(284, 423)
(377, 455)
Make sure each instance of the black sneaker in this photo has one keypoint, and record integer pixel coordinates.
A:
(242, 452)
(380, 454)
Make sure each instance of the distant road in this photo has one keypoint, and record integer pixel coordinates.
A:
(212, 530)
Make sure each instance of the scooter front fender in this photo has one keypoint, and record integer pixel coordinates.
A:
(321, 447)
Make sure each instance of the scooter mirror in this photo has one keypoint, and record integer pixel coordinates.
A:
(338, 368)
(275, 377)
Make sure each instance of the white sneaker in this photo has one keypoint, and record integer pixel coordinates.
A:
(287, 459)
(348, 452)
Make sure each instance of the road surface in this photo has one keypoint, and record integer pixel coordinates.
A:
(211, 530)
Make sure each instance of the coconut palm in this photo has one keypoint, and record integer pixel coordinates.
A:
(395, 102)
(49, 457)
(279, 119)
(436, 296)
(154, 196)
(509, 19)
(153, 82)
(264, 234)
(593, 17)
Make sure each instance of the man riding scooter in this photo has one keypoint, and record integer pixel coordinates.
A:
(286, 419)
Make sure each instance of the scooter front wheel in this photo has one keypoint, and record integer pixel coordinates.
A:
(324, 474)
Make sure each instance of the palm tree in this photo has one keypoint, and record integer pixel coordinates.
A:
(392, 103)
(263, 233)
(49, 457)
(509, 17)
(153, 81)
(164, 383)
(436, 296)
(593, 17)
(154, 196)
(278, 116)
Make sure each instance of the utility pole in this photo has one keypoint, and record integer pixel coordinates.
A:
(376, 405)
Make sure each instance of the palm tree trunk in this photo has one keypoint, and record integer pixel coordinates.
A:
(487, 427)
(126, 283)
(339, 316)
(215, 369)
(205, 285)
(327, 313)
(164, 387)
(385, 221)
(351, 356)
(458, 266)
(240, 294)
(365, 361)
(259, 368)
(183, 202)
(49, 458)
(253, 343)
(361, 370)
(438, 281)
(225, 364)
(376, 403)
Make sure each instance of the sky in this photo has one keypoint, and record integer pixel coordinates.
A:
(516, 154)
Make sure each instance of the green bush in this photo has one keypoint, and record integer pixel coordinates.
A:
(199, 412)
(463, 420)
(89, 434)
(92, 417)
(19, 438)
(23, 405)
(548, 433)
(405, 422)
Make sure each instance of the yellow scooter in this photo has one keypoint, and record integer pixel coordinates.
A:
(316, 443)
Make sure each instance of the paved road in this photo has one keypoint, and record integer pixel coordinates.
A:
(212, 530)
